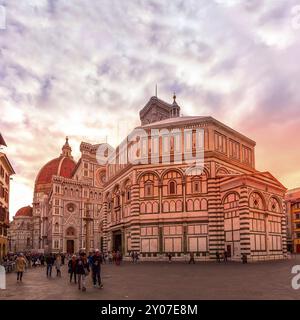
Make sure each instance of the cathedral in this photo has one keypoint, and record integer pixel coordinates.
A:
(159, 203)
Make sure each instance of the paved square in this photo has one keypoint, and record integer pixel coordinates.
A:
(160, 280)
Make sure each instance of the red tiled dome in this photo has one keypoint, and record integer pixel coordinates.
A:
(61, 166)
(24, 212)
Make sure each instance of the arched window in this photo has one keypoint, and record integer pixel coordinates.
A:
(196, 186)
(56, 227)
(143, 207)
(149, 189)
(70, 231)
(117, 200)
(197, 206)
(203, 204)
(172, 187)
(256, 201)
(116, 196)
(128, 195)
(274, 205)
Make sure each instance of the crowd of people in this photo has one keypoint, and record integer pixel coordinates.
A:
(32, 259)
(134, 256)
(225, 255)
(81, 265)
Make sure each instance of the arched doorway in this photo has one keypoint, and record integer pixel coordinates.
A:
(70, 246)
(232, 225)
(70, 242)
(117, 241)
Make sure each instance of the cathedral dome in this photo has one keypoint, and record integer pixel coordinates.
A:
(24, 212)
(62, 166)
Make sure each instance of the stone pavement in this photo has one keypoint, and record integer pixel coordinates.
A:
(161, 280)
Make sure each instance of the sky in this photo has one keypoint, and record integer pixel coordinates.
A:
(85, 68)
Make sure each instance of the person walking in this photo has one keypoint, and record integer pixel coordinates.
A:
(110, 258)
(96, 269)
(89, 258)
(136, 257)
(34, 262)
(225, 256)
(28, 259)
(57, 264)
(72, 268)
(20, 266)
(42, 258)
(63, 258)
(192, 258)
(49, 262)
(103, 256)
(218, 256)
(118, 258)
(82, 270)
(244, 258)
(170, 257)
(132, 256)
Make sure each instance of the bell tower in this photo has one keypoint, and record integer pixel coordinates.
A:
(175, 110)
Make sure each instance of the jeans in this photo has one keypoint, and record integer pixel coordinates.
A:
(49, 270)
(19, 275)
(71, 276)
(81, 281)
(96, 277)
(58, 272)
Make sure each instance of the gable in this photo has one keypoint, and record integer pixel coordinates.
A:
(269, 176)
(155, 110)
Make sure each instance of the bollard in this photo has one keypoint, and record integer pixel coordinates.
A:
(2, 278)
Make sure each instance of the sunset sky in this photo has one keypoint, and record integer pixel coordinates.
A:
(85, 68)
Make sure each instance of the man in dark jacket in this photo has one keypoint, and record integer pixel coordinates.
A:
(218, 256)
(63, 257)
(82, 270)
(96, 269)
(72, 264)
(192, 258)
(49, 261)
(225, 256)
